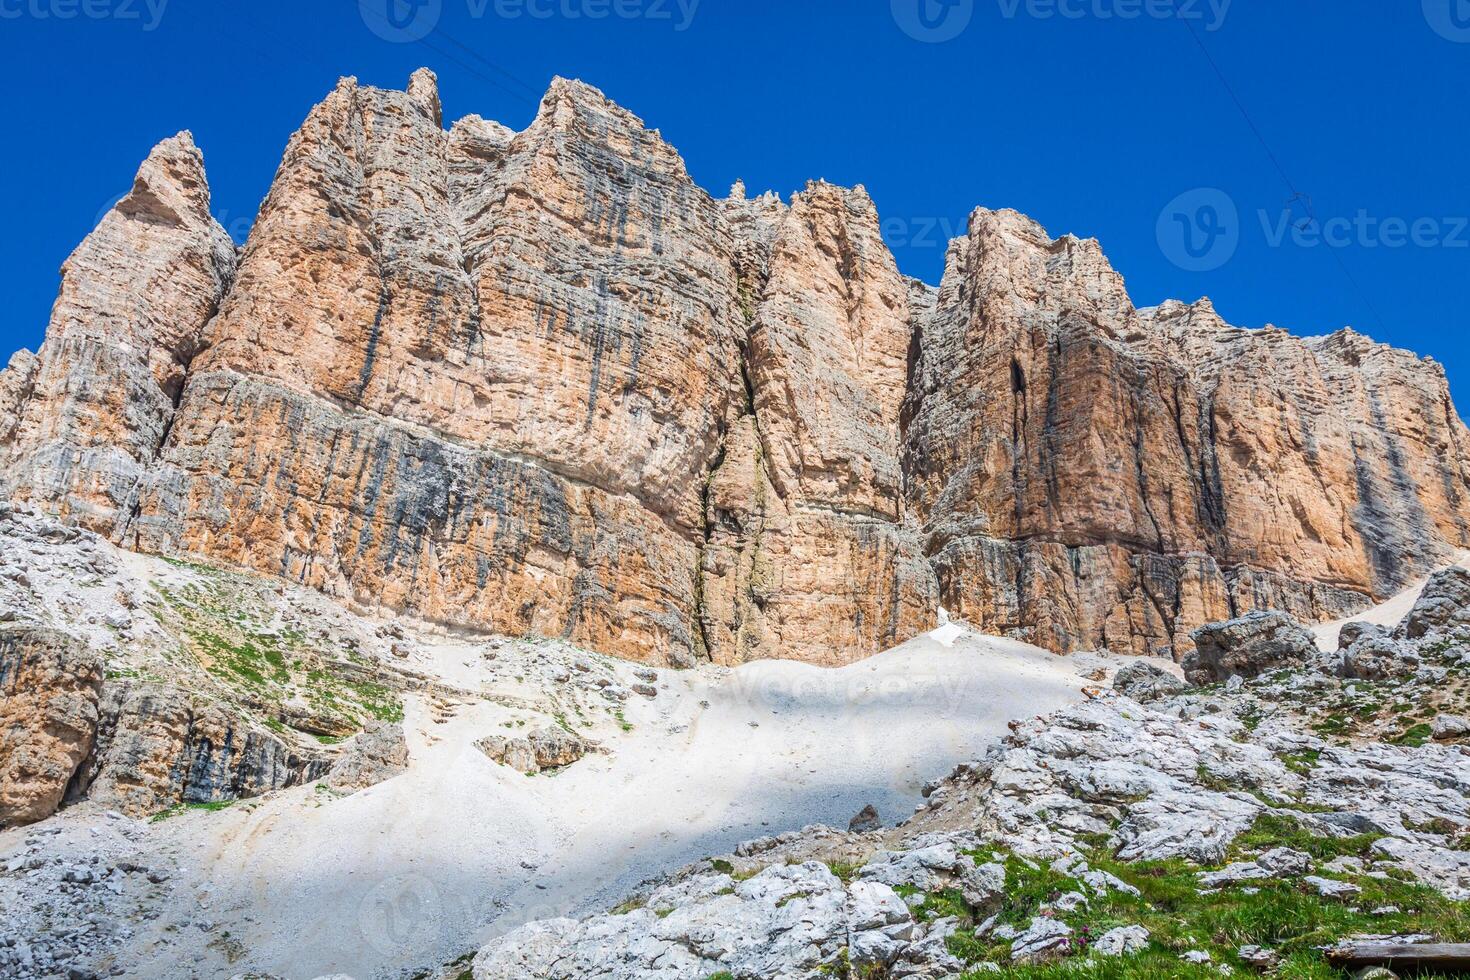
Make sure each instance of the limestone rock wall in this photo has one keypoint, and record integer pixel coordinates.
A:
(541, 382)
(1089, 475)
(83, 422)
(66, 735)
(489, 377)
(807, 554)
(477, 375)
(17, 381)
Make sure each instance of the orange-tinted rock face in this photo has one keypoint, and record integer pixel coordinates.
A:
(83, 429)
(807, 555)
(1091, 475)
(541, 382)
(476, 375)
(49, 686)
(487, 377)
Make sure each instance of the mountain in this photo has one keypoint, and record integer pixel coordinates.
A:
(542, 383)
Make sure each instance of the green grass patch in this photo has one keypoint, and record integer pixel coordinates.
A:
(1414, 736)
(1333, 725)
(228, 623)
(213, 806)
(1302, 762)
(1280, 830)
(1143, 966)
(1282, 915)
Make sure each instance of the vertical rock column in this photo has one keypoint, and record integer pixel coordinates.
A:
(134, 299)
(808, 555)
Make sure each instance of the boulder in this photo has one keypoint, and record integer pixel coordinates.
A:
(1283, 862)
(1142, 681)
(1450, 726)
(1329, 888)
(1377, 657)
(1121, 941)
(379, 752)
(928, 869)
(865, 820)
(1279, 862)
(1248, 646)
(1443, 603)
(1044, 939)
(1257, 957)
(983, 886)
(545, 748)
(1351, 632)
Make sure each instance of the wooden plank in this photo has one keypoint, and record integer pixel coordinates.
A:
(1451, 956)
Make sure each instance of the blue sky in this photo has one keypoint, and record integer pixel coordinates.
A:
(1199, 147)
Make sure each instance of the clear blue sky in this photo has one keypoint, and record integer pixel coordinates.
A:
(1088, 119)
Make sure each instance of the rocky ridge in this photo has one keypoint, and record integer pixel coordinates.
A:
(540, 382)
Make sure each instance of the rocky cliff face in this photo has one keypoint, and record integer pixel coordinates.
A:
(158, 746)
(540, 382)
(1092, 475)
(807, 554)
(84, 421)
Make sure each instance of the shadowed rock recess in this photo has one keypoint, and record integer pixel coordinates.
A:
(540, 382)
